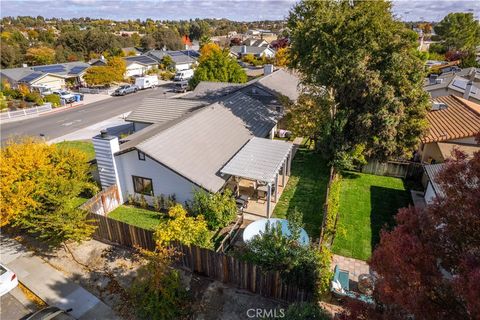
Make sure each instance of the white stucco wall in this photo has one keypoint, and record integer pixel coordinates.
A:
(468, 140)
(183, 66)
(164, 180)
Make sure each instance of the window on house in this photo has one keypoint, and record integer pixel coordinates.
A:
(141, 156)
(143, 185)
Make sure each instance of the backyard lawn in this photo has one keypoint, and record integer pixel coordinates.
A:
(85, 146)
(305, 190)
(367, 202)
(139, 217)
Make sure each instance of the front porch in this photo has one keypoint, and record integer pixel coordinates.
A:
(258, 175)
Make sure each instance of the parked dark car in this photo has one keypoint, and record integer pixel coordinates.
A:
(181, 86)
(51, 313)
(125, 89)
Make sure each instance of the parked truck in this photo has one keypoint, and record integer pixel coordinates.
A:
(146, 82)
(183, 75)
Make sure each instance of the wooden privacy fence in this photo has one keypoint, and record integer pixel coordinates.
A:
(401, 169)
(241, 274)
(332, 176)
(215, 265)
(103, 202)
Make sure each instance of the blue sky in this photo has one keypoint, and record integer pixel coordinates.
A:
(240, 10)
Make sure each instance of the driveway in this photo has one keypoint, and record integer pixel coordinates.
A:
(57, 124)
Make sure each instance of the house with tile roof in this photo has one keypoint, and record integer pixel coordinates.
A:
(453, 123)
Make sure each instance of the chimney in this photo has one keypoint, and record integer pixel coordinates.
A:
(267, 69)
(244, 49)
(433, 78)
(468, 90)
(106, 146)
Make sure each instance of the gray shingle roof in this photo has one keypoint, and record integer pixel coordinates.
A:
(159, 110)
(212, 91)
(201, 143)
(250, 49)
(283, 82)
(179, 57)
(260, 159)
(143, 59)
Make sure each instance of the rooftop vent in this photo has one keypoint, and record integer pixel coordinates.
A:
(438, 81)
(433, 78)
(438, 106)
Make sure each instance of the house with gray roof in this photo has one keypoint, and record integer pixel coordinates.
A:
(258, 52)
(139, 65)
(51, 76)
(464, 83)
(161, 110)
(188, 152)
(268, 89)
(183, 59)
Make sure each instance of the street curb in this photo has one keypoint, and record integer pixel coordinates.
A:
(18, 294)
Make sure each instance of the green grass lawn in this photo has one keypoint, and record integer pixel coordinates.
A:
(305, 190)
(367, 203)
(78, 201)
(139, 217)
(85, 146)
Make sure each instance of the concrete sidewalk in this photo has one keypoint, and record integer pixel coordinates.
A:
(51, 285)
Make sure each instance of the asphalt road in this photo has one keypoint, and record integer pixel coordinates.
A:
(57, 124)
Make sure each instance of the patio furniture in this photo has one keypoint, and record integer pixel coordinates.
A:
(365, 284)
(262, 192)
(242, 201)
(340, 287)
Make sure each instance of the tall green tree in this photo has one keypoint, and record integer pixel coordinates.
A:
(216, 65)
(167, 38)
(364, 64)
(459, 31)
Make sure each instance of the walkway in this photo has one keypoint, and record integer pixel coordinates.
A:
(354, 266)
(49, 284)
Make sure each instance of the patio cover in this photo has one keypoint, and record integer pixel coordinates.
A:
(259, 159)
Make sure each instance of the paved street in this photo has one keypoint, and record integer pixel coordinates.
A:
(58, 124)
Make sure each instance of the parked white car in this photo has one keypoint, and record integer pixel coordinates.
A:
(8, 280)
(65, 95)
(146, 82)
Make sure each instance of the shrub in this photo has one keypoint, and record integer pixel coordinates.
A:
(219, 209)
(54, 99)
(306, 266)
(333, 205)
(187, 230)
(167, 75)
(143, 202)
(157, 292)
(34, 97)
(306, 311)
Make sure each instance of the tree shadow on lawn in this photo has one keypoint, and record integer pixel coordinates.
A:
(385, 203)
(305, 190)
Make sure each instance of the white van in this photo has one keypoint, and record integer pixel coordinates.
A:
(146, 82)
(183, 75)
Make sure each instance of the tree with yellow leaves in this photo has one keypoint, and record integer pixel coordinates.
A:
(39, 183)
(281, 57)
(40, 55)
(179, 227)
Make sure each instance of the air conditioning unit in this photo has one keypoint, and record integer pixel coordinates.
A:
(438, 106)
(438, 81)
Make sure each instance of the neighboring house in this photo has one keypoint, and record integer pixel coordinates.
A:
(49, 76)
(465, 83)
(258, 52)
(252, 42)
(432, 189)
(131, 51)
(453, 123)
(183, 59)
(188, 153)
(161, 110)
(98, 62)
(139, 65)
(268, 89)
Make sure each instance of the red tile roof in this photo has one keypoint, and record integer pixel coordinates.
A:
(461, 119)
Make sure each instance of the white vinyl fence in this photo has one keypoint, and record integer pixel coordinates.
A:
(4, 115)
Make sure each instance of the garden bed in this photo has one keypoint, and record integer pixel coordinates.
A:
(367, 203)
(143, 218)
